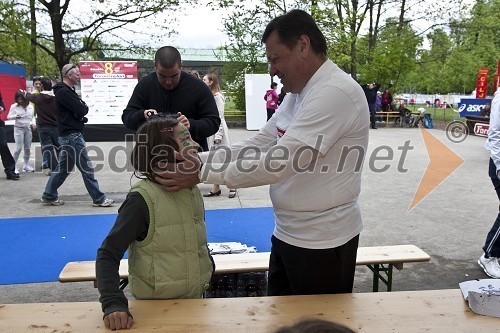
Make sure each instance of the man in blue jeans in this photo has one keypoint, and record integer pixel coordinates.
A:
(71, 111)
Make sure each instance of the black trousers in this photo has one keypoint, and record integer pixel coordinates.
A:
(491, 246)
(299, 271)
(7, 160)
(270, 113)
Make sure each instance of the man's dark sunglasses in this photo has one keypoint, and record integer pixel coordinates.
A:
(74, 66)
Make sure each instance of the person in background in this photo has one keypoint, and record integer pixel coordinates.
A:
(490, 259)
(221, 138)
(314, 325)
(172, 91)
(386, 100)
(45, 110)
(9, 165)
(281, 96)
(321, 124)
(164, 233)
(71, 112)
(370, 91)
(194, 73)
(378, 102)
(271, 98)
(23, 114)
(37, 84)
(486, 111)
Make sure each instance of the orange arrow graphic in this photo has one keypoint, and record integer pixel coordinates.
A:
(442, 162)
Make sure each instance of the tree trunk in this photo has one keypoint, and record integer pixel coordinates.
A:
(34, 69)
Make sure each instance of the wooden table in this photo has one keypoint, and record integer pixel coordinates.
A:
(439, 311)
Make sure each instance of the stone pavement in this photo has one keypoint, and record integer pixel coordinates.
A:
(450, 223)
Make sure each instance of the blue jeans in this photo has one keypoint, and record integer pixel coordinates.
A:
(50, 146)
(73, 151)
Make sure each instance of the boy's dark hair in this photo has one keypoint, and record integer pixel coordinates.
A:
(273, 84)
(46, 83)
(292, 25)
(155, 142)
(315, 326)
(168, 57)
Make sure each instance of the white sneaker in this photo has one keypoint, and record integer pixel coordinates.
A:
(28, 168)
(490, 265)
(106, 203)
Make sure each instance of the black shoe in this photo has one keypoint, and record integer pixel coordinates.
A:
(373, 127)
(211, 194)
(13, 176)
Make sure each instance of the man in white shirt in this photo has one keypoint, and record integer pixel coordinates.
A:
(490, 260)
(311, 153)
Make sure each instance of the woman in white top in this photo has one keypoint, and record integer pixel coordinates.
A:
(23, 114)
(221, 138)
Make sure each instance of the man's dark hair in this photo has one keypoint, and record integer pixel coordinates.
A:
(292, 25)
(46, 83)
(168, 57)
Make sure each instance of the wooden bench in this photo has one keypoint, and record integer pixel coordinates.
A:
(433, 311)
(379, 259)
(387, 115)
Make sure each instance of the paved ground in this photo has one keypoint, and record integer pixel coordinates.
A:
(450, 223)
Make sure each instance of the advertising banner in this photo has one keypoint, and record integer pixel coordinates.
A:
(482, 83)
(106, 87)
(472, 106)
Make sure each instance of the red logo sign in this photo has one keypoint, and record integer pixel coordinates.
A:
(482, 83)
(481, 129)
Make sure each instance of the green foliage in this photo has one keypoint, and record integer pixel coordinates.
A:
(14, 42)
(245, 54)
(455, 56)
(67, 32)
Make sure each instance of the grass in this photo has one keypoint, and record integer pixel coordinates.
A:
(437, 113)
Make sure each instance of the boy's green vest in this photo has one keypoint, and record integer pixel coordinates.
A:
(173, 261)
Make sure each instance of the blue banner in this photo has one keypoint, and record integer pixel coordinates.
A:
(472, 106)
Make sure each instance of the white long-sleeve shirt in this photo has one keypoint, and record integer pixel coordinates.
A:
(493, 142)
(311, 153)
(24, 117)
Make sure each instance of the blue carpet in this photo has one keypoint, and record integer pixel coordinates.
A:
(37, 248)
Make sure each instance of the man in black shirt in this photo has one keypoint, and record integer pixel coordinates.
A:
(370, 90)
(170, 90)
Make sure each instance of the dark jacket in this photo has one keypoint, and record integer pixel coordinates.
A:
(371, 94)
(45, 108)
(2, 123)
(191, 97)
(71, 110)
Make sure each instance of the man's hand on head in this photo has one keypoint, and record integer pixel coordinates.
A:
(183, 120)
(184, 173)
